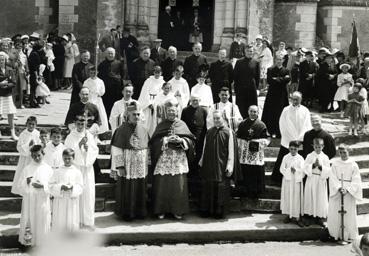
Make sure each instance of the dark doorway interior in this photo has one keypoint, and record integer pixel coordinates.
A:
(182, 16)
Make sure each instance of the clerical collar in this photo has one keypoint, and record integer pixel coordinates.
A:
(84, 103)
(253, 119)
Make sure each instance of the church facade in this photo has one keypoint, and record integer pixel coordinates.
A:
(300, 23)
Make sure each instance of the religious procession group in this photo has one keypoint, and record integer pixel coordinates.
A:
(175, 130)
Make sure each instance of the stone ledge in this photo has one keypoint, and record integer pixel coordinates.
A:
(362, 3)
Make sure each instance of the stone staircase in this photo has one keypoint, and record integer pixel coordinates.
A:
(268, 203)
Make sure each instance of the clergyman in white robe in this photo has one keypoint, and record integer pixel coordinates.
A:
(84, 162)
(349, 171)
(230, 113)
(150, 90)
(36, 210)
(292, 193)
(315, 194)
(65, 208)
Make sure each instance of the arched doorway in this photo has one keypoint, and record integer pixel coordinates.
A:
(182, 16)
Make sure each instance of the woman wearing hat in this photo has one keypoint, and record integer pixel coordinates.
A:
(344, 83)
(327, 86)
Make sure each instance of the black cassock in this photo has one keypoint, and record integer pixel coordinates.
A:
(80, 73)
(112, 73)
(329, 143)
(276, 99)
(326, 87)
(246, 81)
(168, 66)
(215, 194)
(306, 86)
(221, 75)
(195, 119)
(141, 70)
(237, 50)
(79, 109)
(129, 48)
(192, 68)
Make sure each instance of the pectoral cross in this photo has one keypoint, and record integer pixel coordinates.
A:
(171, 131)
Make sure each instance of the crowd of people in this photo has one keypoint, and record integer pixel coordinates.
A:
(176, 120)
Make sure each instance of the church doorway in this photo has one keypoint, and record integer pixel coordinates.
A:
(189, 21)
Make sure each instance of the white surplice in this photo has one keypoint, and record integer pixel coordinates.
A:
(292, 191)
(231, 115)
(36, 211)
(150, 91)
(181, 89)
(97, 90)
(84, 162)
(54, 155)
(293, 124)
(24, 156)
(315, 194)
(118, 113)
(349, 171)
(204, 92)
(65, 207)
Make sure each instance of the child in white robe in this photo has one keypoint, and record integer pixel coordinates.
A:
(150, 90)
(44, 137)
(292, 169)
(345, 180)
(66, 186)
(204, 91)
(97, 90)
(28, 137)
(86, 151)
(54, 149)
(35, 218)
(317, 169)
(180, 88)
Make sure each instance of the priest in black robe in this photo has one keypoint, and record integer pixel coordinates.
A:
(253, 138)
(193, 63)
(169, 65)
(129, 49)
(221, 74)
(246, 81)
(195, 118)
(111, 71)
(129, 155)
(308, 71)
(219, 165)
(277, 97)
(82, 107)
(143, 68)
(80, 72)
(317, 132)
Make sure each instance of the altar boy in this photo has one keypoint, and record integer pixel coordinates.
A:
(54, 149)
(66, 186)
(292, 198)
(317, 169)
(345, 180)
(86, 152)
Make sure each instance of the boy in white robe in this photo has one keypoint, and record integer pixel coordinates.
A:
(345, 180)
(204, 91)
(180, 88)
(317, 169)
(86, 152)
(66, 186)
(54, 149)
(150, 91)
(292, 169)
(36, 212)
(28, 137)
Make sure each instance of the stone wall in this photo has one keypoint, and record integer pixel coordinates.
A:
(295, 23)
(260, 19)
(337, 17)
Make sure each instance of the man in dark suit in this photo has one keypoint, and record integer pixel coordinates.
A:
(192, 64)
(166, 26)
(246, 81)
(158, 53)
(109, 40)
(129, 48)
(170, 64)
(221, 74)
(80, 73)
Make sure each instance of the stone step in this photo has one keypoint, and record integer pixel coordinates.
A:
(243, 228)
(103, 190)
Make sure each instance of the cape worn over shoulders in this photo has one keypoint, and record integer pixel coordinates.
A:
(123, 135)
